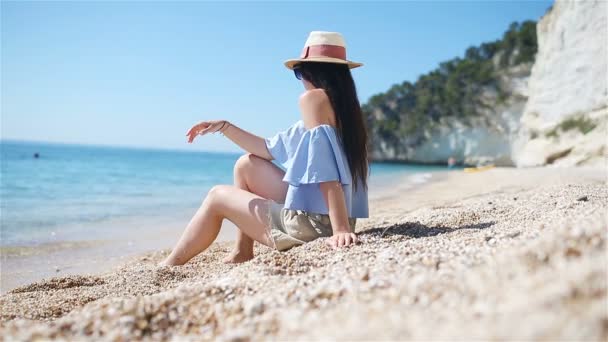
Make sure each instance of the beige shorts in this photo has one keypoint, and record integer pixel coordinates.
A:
(288, 228)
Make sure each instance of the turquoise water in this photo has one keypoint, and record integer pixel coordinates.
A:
(77, 192)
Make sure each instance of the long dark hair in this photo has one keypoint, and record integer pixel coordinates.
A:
(339, 85)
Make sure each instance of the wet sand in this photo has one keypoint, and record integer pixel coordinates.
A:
(501, 254)
(22, 265)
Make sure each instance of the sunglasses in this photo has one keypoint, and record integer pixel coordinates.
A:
(297, 72)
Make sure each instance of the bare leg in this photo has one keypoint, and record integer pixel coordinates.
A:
(248, 211)
(261, 177)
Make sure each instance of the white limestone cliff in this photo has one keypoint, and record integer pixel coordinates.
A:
(565, 118)
(485, 138)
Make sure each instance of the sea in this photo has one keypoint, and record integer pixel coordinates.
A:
(77, 209)
(61, 192)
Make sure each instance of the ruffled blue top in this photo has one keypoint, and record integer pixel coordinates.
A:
(312, 156)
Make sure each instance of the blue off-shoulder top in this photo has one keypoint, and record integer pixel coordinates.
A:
(312, 156)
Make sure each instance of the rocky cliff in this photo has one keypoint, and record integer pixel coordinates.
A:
(565, 118)
(525, 108)
(482, 138)
(468, 108)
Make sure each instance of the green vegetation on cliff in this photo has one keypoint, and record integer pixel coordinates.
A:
(584, 125)
(451, 90)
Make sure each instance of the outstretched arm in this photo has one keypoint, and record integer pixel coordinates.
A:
(247, 141)
(334, 198)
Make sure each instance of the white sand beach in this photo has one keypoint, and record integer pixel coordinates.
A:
(500, 254)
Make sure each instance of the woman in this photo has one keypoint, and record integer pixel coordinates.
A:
(324, 186)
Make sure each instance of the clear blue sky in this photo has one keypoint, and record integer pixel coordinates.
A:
(141, 73)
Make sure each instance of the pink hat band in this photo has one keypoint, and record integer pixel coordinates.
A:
(324, 50)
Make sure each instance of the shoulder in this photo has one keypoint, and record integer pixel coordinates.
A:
(314, 97)
(316, 108)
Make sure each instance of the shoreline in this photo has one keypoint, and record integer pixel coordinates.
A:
(22, 265)
(25, 264)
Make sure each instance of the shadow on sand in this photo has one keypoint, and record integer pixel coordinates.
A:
(418, 230)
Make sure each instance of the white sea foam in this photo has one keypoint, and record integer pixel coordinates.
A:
(420, 178)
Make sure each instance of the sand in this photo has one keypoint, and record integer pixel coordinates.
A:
(22, 265)
(501, 254)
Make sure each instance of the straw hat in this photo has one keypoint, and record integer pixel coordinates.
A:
(322, 46)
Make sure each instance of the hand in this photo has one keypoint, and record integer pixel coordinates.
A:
(341, 240)
(205, 127)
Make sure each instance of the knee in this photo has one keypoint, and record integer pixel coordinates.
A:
(244, 163)
(216, 195)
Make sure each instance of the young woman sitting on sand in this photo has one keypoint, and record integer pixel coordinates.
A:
(323, 189)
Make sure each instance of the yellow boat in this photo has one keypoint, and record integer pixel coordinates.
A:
(479, 168)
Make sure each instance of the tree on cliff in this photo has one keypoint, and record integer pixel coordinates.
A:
(451, 90)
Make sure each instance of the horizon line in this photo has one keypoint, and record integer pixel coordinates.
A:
(119, 146)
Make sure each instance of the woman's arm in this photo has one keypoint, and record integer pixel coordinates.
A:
(247, 141)
(334, 198)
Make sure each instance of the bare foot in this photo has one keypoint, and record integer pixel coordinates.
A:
(163, 263)
(236, 257)
(169, 261)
